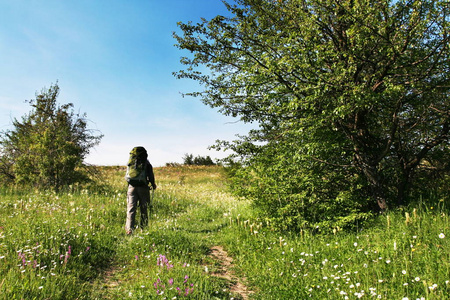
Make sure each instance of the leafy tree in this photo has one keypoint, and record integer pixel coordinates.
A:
(47, 147)
(351, 99)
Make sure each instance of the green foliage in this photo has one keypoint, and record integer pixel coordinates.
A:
(190, 160)
(351, 99)
(47, 147)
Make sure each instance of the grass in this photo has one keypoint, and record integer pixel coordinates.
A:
(72, 246)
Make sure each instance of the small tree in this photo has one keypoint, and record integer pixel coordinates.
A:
(188, 159)
(48, 146)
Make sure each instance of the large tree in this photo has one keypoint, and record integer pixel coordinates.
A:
(47, 147)
(351, 97)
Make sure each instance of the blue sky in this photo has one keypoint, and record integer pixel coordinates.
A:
(113, 59)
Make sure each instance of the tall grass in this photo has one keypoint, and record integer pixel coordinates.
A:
(72, 245)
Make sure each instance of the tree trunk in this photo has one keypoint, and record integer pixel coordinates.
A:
(379, 196)
(403, 186)
(370, 170)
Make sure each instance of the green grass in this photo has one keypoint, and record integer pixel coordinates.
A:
(72, 246)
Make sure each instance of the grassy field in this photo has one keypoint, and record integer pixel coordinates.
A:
(202, 243)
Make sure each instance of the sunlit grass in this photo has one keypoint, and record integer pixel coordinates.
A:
(72, 246)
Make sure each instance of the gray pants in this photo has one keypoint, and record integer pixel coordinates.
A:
(139, 195)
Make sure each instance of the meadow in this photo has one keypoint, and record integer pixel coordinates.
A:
(72, 245)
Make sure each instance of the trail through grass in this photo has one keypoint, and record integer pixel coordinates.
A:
(202, 243)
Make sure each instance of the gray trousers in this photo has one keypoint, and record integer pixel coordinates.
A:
(139, 195)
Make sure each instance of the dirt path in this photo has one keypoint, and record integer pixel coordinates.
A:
(224, 271)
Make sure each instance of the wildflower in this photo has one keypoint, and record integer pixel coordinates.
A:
(404, 272)
(405, 298)
(355, 244)
(417, 279)
(41, 287)
(441, 235)
(163, 261)
(433, 287)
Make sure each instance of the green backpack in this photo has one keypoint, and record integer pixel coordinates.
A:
(136, 166)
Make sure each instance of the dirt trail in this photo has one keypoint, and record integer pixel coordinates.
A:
(224, 271)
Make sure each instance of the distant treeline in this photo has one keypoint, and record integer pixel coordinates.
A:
(190, 160)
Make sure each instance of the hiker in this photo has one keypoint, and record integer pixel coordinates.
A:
(139, 175)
